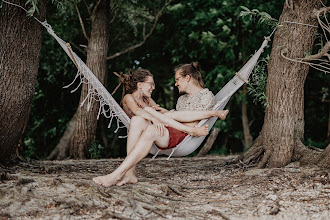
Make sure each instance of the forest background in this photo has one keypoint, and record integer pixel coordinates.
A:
(213, 33)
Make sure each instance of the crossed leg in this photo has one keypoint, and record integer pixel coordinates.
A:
(173, 119)
(139, 151)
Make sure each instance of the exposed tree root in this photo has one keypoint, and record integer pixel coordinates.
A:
(260, 155)
(264, 159)
(324, 158)
(254, 153)
(305, 155)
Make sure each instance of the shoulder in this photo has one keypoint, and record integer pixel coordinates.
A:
(206, 100)
(207, 93)
(128, 98)
(183, 97)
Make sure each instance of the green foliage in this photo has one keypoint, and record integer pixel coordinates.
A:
(34, 7)
(219, 151)
(53, 106)
(30, 148)
(96, 150)
(313, 143)
(258, 82)
(264, 17)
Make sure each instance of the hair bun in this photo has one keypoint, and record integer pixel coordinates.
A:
(197, 66)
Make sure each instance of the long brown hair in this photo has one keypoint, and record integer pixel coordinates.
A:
(192, 69)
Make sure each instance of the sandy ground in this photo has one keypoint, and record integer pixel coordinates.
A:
(181, 188)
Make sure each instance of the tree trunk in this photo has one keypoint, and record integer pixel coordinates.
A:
(209, 143)
(61, 151)
(20, 44)
(86, 123)
(248, 139)
(283, 128)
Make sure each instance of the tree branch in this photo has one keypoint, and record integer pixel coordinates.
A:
(158, 15)
(95, 8)
(81, 21)
(322, 53)
(89, 12)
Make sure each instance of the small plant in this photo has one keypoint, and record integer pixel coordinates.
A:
(264, 18)
(30, 148)
(257, 85)
(96, 150)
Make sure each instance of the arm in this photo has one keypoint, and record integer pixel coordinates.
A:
(131, 104)
(191, 130)
(155, 106)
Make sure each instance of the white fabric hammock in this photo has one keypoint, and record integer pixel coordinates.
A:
(111, 109)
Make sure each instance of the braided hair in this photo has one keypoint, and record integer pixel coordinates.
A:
(132, 78)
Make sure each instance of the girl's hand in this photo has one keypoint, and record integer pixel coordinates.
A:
(160, 109)
(157, 107)
(160, 127)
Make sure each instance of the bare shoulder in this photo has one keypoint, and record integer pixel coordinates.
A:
(128, 98)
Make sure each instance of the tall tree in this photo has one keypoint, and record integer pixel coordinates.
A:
(97, 50)
(85, 126)
(281, 138)
(20, 45)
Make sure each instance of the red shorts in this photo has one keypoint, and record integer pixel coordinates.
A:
(176, 137)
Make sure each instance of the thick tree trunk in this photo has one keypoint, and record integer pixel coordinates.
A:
(283, 129)
(86, 123)
(20, 44)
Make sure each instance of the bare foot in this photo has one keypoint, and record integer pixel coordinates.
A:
(106, 181)
(199, 131)
(222, 114)
(128, 178)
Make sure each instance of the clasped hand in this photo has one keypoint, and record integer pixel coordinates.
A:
(160, 127)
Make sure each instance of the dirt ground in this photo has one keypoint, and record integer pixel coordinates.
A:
(181, 188)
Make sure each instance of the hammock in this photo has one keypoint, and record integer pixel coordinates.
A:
(111, 109)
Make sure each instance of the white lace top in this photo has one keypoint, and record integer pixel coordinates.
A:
(203, 100)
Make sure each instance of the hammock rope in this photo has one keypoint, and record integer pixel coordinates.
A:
(97, 92)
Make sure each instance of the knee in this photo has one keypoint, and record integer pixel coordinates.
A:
(150, 132)
(138, 121)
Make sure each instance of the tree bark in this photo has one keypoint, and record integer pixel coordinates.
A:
(61, 151)
(248, 139)
(20, 44)
(86, 123)
(283, 128)
(209, 143)
(324, 158)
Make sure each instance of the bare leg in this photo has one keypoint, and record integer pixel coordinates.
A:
(189, 116)
(137, 125)
(191, 130)
(171, 118)
(139, 151)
